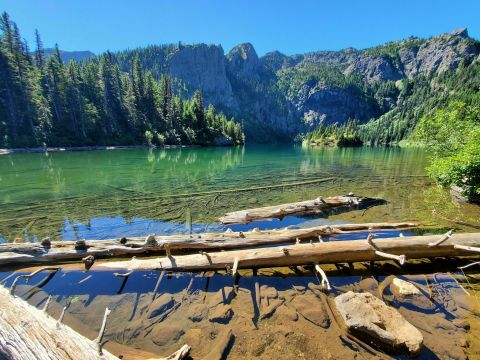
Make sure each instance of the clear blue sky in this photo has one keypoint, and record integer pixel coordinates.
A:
(285, 25)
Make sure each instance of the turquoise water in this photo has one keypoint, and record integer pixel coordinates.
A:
(103, 194)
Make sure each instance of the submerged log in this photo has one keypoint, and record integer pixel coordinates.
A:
(57, 251)
(297, 208)
(413, 247)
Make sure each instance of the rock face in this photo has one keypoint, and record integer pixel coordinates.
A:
(327, 105)
(369, 318)
(203, 67)
(439, 54)
(243, 61)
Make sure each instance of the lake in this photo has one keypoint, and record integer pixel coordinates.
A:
(105, 194)
(278, 313)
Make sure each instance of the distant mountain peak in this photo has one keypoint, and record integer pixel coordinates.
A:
(66, 56)
(461, 32)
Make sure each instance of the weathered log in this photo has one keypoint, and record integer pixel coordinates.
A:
(297, 208)
(29, 333)
(57, 251)
(413, 247)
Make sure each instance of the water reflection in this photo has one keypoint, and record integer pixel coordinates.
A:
(103, 192)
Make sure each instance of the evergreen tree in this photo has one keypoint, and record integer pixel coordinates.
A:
(39, 52)
(45, 102)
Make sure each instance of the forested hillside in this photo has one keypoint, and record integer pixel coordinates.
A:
(95, 102)
(420, 96)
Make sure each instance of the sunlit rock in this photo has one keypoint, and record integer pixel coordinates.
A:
(368, 317)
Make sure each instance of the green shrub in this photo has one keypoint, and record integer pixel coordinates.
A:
(453, 137)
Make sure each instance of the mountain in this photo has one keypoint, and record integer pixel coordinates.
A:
(278, 95)
(66, 56)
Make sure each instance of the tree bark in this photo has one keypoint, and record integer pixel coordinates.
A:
(29, 333)
(412, 247)
(59, 251)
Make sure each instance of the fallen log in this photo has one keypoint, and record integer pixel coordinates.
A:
(58, 251)
(29, 333)
(412, 247)
(297, 208)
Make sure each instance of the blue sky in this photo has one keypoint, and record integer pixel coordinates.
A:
(288, 26)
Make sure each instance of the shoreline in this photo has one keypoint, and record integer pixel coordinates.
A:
(88, 148)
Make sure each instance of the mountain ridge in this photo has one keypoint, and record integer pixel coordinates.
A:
(291, 94)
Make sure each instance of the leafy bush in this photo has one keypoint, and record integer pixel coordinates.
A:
(453, 137)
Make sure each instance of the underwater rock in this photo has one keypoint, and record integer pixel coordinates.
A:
(368, 317)
(268, 292)
(285, 314)
(284, 331)
(404, 288)
(220, 347)
(461, 324)
(269, 309)
(221, 296)
(369, 285)
(197, 312)
(193, 337)
(312, 309)
(222, 314)
(166, 333)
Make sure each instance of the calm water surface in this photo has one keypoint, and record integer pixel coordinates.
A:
(104, 194)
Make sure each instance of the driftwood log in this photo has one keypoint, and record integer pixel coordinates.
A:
(29, 333)
(411, 247)
(58, 251)
(297, 208)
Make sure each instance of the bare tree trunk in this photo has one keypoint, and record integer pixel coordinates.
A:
(412, 247)
(57, 251)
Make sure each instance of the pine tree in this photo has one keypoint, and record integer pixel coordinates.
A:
(39, 52)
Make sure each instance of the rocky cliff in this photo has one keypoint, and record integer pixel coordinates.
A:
(204, 67)
(292, 94)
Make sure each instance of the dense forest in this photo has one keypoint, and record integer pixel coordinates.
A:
(44, 102)
(420, 96)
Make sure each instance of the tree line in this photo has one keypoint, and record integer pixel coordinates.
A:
(44, 102)
(343, 135)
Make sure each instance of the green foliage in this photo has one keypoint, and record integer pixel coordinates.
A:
(391, 49)
(109, 100)
(345, 135)
(322, 75)
(453, 136)
(420, 96)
